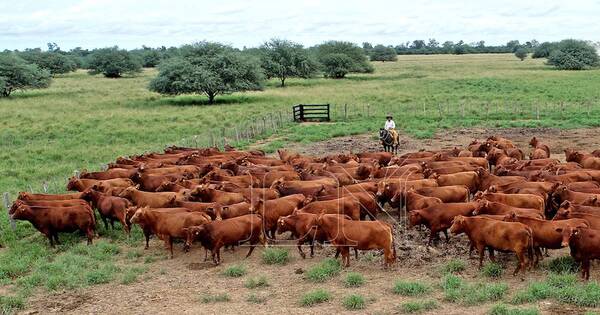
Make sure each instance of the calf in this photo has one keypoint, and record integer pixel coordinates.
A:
(438, 218)
(364, 235)
(584, 244)
(52, 220)
(546, 234)
(110, 207)
(168, 225)
(504, 236)
(149, 199)
(229, 232)
(272, 210)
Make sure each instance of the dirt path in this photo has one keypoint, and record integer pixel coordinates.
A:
(176, 286)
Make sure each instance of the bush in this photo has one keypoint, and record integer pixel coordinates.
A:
(418, 306)
(354, 302)
(213, 298)
(382, 53)
(571, 54)
(17, 74)
(408, 288)
(543, 50)
(235, 271)
(207, 68)
(456, 290)
(54, 62)
(339, 58)
(454, 266)
(492, 270)
(315, 297)
(326, 269)
(259, 282)
(336, 66)
(565, 264)
(113, 62)
(502, 309)
(354, 279)
(279, 256)
(253, 298)
(521, 53)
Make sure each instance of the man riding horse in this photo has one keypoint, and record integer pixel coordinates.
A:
(389, 136)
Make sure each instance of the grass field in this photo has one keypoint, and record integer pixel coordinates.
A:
(82, 121)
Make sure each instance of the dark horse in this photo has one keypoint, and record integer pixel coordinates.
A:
(387, 141)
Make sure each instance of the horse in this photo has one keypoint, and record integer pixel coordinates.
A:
(388, 141)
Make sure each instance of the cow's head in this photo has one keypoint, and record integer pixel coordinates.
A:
(15, 206)
(22, 211)
(533, 142)
(285, 224)
(72, 183)
(414, 218)
(127, 192)
(193, 233)
(492, 189)
(567, 233)
(482, 204)
(137, 214)
(511, 217)
(383, 188)
(458, 225)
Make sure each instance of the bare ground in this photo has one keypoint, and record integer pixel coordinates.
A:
(176, 286)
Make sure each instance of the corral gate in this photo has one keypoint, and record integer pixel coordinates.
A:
(304, 112)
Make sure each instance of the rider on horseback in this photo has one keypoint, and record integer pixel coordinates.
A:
(390, 126)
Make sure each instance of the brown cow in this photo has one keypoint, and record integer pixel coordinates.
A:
(382, 157)
(364, 235)
(149, 199)
(110, 208)
(230, 232)
(497, 208)
(498, 235)
(415, 201)
(307, 188)
(168, 225)
(47, 203)
(515, 200)
(368, 202)
(469, 179)
(570, 206)
(303, 226)
(586, 160)
(51, 220)
(562, 193)
(438, 218)
(592, 219)
(83, 184)
(486, 179)
(546, 234)
(31, 196)
(446, 193)
(272, 210)
(251, 193)
(206, 194)
(110, 174)
(348, 205)
(584, 244)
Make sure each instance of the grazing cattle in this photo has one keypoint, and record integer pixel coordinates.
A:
(173, 170)
(348, 205)
(414, 201)
(251, 193)
(209, 208)
(546, 234)
(46, 203)
(387, 189)
(233, 210)
(149, 199)
(576, 176)
(271, 210)
(469, 179)
(515, 200)
(498, 208)
(344, 233)
(110, 174)
(267, 179)
(168, 225)
(31, 196)
(382, 157)
(149, 182)
(368, 202)
(486, 179)
(110, 207)
(230, 232)
(307, 188)
(438, 218)
(83, 184)
(446, 193)
(496, 235)
(592, 219)
(52, 220)
(303, 226)
(584, 244)
(573, 207)
(205, 194)
(586, 160)
(562, 193)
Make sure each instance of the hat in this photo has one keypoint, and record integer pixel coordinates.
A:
(388, 115)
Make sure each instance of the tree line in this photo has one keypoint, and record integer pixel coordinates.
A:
(212, 68)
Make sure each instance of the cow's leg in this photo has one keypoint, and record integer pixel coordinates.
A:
(50, 237)
(481, 251)
(147, 236)
(250, 250)
(55, 233)
(105, 221)
(433, 234)
(356, 253)
(345, 256)
(169, 243)
(299, 244)
(538, 256)
(491, 252)
(90, 234)
(312, 248)
(112, 223)
(585, 269)
(447, 237)
(521, 263)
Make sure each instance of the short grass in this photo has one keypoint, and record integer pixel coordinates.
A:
(235, 271)
(354, 280)
(492, 270)
(354, 302)
(273, 255)
(324, 270)
(314, 297)
(457, 290)
(564, 288)
(418, 306)
(214, 297)
(564, 264)
(256, 299)
(503, 309)
(258, 282)
(454, 266)
(410, 288)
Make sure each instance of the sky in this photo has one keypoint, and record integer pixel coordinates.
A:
(131, 24)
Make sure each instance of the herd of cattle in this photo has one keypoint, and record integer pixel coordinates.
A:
(488, 191)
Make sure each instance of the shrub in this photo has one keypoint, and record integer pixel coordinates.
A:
(383, 53)
(339, 58)
(253, 298)
(571, 54)
(354, 302)
(315, 297)
(259, 282)
(213, 298)
(324, 270)
(9, 304)
(502, 309)
(235, 271)
(543, 50)
(521, 53)
(271, 256)
(454, 266)
(456, 290)
(54, 62)
(113, 62)
(492, 270)
(534, 292)
(418, 306)
(354, 279)
(564, 264)
(207, 68)
(409, 288)
(17, 74)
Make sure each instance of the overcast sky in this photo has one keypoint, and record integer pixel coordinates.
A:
(130, 24)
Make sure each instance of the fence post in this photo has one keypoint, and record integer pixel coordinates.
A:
(7, 206)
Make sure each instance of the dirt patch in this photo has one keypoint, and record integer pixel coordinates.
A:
(176, 286)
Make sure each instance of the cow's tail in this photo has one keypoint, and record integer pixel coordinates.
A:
(530, 249)
(393, 244)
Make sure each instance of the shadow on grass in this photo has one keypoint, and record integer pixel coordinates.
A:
(199, 100)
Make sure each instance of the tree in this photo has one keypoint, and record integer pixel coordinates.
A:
(367, 47)
(150, 57)
(113, 62)
(521, 53)
(53, 60)
(513, 45)
(17, 74)
(543, 50)
(207, 68)
(284, 59)
(433, 44)
(382, 53)
(571, 54)
(355, 61)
